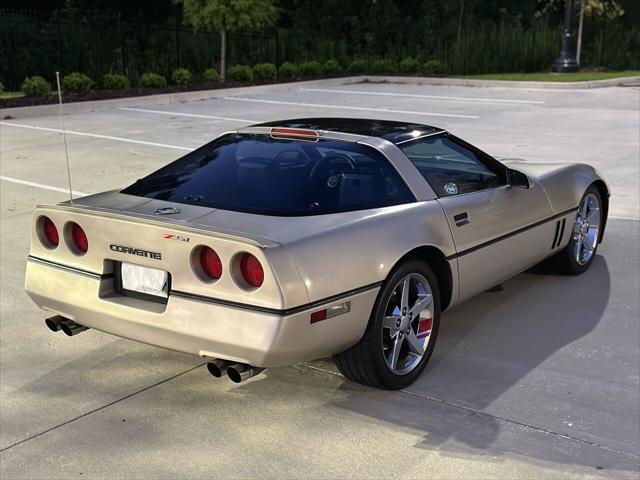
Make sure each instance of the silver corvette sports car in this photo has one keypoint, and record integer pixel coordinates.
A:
(300, 239)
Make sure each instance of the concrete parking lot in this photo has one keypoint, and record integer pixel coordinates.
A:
(541, 379)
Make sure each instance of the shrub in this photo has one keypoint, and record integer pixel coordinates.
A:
(358, 66)
(310, 68)
(76, 82)
(152, 80)
(211, 75)
(383, 65)
(181, 76)
(434, 66)
(409, 65)
(265, 70)
(331, 66)
(240, 73)
(35, 86)
(114, 81)
(288, 70)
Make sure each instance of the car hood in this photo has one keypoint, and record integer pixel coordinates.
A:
(536, 171)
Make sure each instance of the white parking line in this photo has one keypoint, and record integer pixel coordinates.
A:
(95, 135)
(437, 97)
(196, 115)
(42, 186)
(345, 107)
(618, 217)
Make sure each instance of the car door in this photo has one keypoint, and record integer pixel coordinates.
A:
(499, 230)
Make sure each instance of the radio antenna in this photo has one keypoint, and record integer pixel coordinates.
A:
(64, 136)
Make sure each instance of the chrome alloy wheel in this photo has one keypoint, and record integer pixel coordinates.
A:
(407, 325)
(586, 229)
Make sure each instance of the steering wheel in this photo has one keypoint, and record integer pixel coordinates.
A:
(332, 162)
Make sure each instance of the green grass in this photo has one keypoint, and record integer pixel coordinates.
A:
(549, 77)
(4, 95)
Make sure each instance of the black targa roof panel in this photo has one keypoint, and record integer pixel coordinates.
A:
(392, 131)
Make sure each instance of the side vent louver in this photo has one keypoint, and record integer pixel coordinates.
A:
(559, 233)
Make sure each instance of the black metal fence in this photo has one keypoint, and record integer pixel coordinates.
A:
(33, 44)
(39, 43)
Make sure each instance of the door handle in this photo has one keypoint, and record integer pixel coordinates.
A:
(461, 219)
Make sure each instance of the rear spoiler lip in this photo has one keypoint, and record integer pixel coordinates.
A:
(165, 222)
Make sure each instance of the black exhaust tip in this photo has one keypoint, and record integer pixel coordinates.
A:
(71, 328)
(217, 367)
(214, 370)
(54, 323)
(240, 372)
(234, 375)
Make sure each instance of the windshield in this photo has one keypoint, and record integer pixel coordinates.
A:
(265, 175)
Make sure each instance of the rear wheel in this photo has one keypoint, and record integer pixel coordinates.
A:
(401, 333)
(578, 255)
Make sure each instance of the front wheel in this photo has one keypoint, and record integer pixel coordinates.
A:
(578, 255)
(401, 333)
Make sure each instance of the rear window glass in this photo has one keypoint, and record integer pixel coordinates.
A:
(264, 175)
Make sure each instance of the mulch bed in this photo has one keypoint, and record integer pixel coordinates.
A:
(135, 92)
(128, 92)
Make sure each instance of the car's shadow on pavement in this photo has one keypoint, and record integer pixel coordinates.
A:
(485, 385)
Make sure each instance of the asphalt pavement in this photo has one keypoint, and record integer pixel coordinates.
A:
(539, 380)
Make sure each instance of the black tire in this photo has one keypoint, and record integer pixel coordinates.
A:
(364, 363)
(564, 262)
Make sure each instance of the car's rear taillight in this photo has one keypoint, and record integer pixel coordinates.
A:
(210, 263)
(50, 232)
(251, 270)
(79, 238)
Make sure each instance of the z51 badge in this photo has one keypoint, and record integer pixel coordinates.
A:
(171, 236)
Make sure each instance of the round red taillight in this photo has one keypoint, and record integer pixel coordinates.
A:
(210, 263)
(79, 238)
(251, 270)
(50, 232)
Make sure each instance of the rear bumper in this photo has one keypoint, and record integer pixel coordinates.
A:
(195, 325)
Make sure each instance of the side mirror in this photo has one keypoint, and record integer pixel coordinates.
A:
(517, 179)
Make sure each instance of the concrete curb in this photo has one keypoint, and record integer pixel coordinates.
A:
(78, 107)
(468, 82)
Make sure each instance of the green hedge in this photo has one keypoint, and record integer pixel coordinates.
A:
(287, 70)
(409, 65)
(332, 67)
(434, 67)
(115, 81)
(359, 66)
(182, 76)
(77, 82)
(311, 68)
(211, 75)
(152, 80)
(35, 86)
(265, 71)
(240, 73)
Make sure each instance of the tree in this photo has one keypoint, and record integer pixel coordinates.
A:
(230, 16)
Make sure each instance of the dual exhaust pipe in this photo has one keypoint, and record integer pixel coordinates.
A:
(237, 372)
(69, 327)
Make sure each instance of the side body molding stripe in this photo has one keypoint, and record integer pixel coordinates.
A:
(510, 234)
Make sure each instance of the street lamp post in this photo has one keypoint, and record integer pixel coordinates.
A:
(566, 62)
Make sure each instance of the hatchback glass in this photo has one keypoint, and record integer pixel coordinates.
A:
(274, 176)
